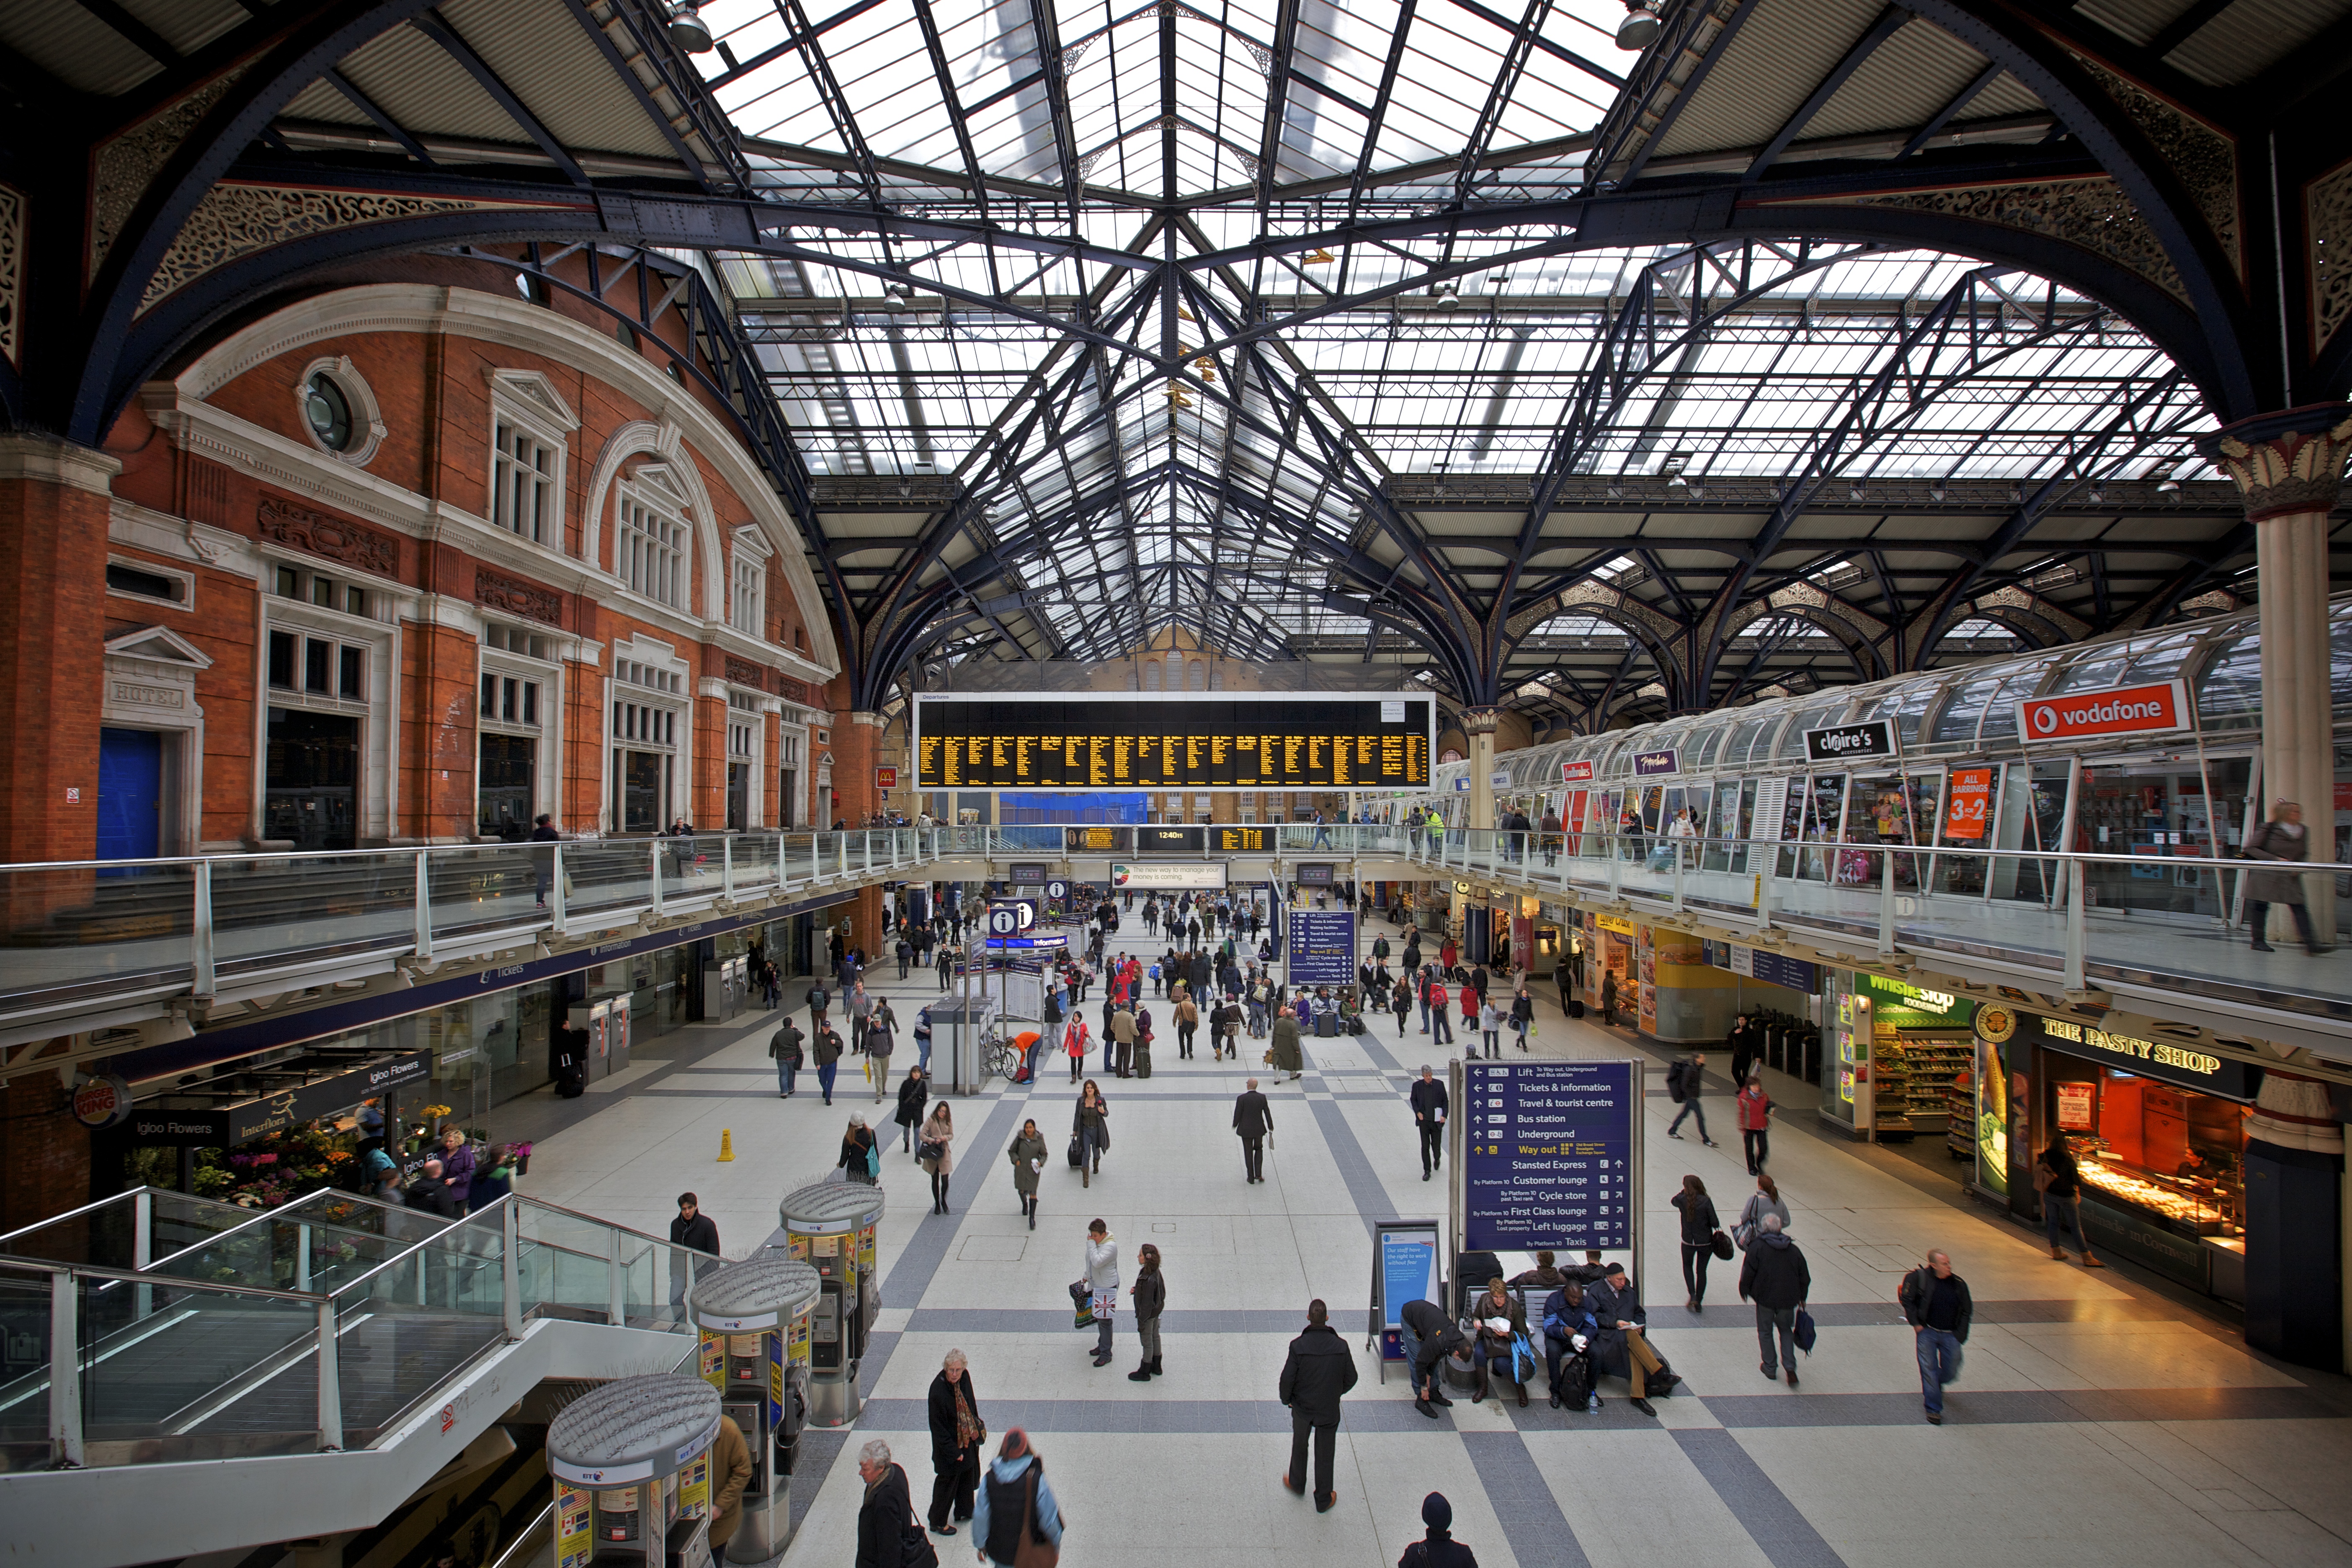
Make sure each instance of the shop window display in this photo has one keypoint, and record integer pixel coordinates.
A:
(2148, 1146)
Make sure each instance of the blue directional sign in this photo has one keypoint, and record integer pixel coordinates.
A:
(1320, 949)
(1549, 1155)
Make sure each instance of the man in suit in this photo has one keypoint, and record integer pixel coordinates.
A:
(1622, 1346)
(1429, 1108)
(1253, 1120)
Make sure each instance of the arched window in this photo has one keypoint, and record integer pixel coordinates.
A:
(650, 551)
(1151, 676)
(1175, 670)
(1199, 681)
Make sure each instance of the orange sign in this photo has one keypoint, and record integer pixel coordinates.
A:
(2118, 710)
(1968, 801)
(886, 778)
(1575, 772)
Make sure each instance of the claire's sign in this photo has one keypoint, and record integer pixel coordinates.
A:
(1873, 738)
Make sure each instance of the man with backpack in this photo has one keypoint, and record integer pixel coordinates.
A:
(784, 1051)
(1685, 1079)
(1569, 1328)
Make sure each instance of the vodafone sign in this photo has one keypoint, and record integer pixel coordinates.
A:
(2119, 711)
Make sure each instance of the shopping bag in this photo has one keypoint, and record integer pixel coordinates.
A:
(1081, 1305)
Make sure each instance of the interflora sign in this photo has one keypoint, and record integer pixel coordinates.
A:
(2155, 709)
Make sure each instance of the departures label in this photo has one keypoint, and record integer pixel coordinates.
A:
(1171, 742)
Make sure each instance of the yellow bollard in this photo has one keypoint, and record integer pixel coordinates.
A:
(726, 1144)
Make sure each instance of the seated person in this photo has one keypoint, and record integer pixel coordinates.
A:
(1498, 1306)
(1588, 1273)
(1569, 1328)
(1621, 1348)
(1542, 1276)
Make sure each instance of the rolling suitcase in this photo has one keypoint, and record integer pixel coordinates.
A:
(1575, 1007)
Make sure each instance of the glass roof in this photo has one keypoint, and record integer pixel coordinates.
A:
(1040, 250)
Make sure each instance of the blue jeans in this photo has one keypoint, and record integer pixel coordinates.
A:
(1939, 1364)
(825, 1079)
(1690, 1108)
(2061, 1214)
(1412, 1344)
(923, 1058)
(785, 1073)
(1441, 1027)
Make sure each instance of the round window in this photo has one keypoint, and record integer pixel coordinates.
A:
(330, 412)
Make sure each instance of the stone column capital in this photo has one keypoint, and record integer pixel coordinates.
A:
(45, 458)
(2291, 461)
(1480, 721)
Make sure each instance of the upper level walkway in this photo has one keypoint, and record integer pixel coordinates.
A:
(91, 943)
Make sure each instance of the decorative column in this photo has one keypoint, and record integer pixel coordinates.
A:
(856, 749)
(54, 500)
(2290, 468)
(1478, 723)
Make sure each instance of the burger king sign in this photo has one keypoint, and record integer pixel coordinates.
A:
(2152, 709)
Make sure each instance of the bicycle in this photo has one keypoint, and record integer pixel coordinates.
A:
(999, 1058)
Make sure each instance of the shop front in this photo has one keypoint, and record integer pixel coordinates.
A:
(1609, 950)
(2159, 1132)
(1923, 1065)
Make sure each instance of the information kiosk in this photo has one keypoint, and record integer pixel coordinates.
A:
(631, 1461)
(830, 1227)
(753, 1318)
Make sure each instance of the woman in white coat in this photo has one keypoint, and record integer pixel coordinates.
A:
(1102, 1285)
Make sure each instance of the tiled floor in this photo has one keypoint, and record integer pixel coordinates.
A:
(2095, 1417)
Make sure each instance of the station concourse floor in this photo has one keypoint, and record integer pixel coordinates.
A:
(2096, 1418)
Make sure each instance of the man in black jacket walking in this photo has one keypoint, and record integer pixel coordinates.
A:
(1937, 1305)
(697, 1230)
(1429, 1108)
(1317, 1370)
(1252, 1119)
(1775, 1276)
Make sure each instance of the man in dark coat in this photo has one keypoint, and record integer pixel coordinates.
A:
(886, 1511)
(1252, 1119)
(1429, 1108)
(1317, 1370)
(1743, 1044)
(697, 1230)
(1622, 1346)
(1774, 1276)
(957, 1434)
(1438, 1549)
(428, 1193)
(1430, 1336)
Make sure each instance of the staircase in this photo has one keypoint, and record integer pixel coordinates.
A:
(186, 1377)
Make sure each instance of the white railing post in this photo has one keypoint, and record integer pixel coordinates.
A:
(142, 1249)
(1887, 905)
(555, 889)
(65, 1374)
(1678, 880)
(330, 1383)
(2074, 932)
(301, 1256)
(1763, 899)
(655, 847)
(727, 866)
(841, 841)
(200, 954)
(511, 1285)
(616, 1305)
(423, 910)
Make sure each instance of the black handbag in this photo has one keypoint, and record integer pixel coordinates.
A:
(1722, 1245)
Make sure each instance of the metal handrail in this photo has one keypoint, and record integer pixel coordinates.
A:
(248, 857)
(132, 1277)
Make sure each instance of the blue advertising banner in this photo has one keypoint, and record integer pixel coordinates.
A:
(1320, 949)
(1548, 1157)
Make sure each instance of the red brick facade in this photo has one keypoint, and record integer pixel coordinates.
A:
(349, 605)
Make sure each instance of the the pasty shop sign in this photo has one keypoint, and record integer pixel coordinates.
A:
(2157, 1059)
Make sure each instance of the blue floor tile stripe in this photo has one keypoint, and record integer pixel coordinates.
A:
(926, 1248)
(1762, 1509)
(1522, 1499)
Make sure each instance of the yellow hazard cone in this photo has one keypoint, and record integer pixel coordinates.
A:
(726, 1144)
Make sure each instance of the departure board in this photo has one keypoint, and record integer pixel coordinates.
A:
(1214, 740)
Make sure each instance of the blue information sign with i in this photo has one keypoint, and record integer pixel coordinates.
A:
(1548, 1156)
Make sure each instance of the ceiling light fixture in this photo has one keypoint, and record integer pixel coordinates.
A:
(689, 31)
(1640, 27)
(1854, 492)
(897, 297)
(1936, 492)
(1449, 297)
(2098, 495)
(2167, 486)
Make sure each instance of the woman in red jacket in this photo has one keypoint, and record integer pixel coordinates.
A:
(1754, 1107)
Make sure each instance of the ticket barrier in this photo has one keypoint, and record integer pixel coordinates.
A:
(631, 1461)
(608, 1023)
(753, 1318)
(830, 1227)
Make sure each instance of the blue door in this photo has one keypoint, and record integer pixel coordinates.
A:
(130, 794)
